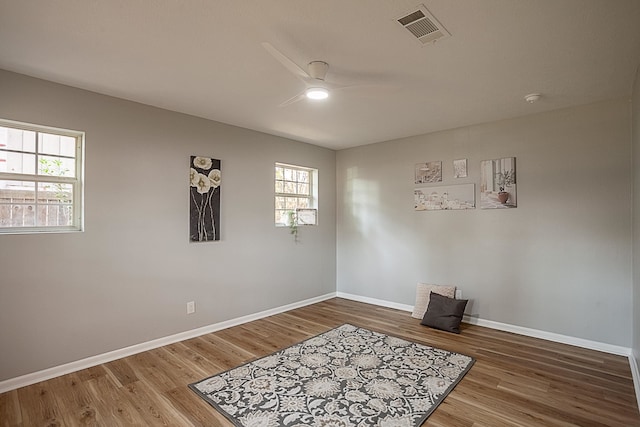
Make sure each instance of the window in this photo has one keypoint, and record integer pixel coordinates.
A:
(296, 188)
(40, 178)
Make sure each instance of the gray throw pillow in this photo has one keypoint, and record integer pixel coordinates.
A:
(423, 290)
(444, 313)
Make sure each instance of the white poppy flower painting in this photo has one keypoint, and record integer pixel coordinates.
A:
(204, 182)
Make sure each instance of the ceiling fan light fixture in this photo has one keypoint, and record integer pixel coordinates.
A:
(317, 93)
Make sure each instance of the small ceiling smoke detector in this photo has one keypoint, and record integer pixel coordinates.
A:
(423, 25)
(532, 97)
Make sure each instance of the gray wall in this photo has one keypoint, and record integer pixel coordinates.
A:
(636, 217)
(560, 262)
(127, 278)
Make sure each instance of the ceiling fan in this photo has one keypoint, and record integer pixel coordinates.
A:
(314, 78)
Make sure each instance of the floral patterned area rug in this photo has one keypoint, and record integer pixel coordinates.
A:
(348, 376)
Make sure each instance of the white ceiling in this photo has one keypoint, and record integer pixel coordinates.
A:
(205, 58)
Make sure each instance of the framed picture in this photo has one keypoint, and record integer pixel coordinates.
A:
(204, 189)
(445, 197)
(460, 168)
(498, 183)
(428, 172)
(307, 216)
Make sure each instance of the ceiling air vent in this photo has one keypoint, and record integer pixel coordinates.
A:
(423, 25)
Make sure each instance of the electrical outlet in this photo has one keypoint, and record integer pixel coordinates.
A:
(458, 293)
(191, 307)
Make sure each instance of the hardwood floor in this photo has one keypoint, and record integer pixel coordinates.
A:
(516, 380)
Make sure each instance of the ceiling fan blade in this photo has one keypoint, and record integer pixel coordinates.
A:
(298, 97)
(371, 86)
(286, 62)
(331, 86)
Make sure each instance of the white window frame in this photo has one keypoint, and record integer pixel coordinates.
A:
(312, 197)
(77, 182)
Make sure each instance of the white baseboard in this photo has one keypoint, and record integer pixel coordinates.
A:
(35, 377)
(67, 368)
(535, 333)
(374, 301)
(550, 336)
(635, 373)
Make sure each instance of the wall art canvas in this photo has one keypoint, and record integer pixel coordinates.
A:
(428, 172)
(498, 184)
(307, 216)
(460, 168)
(445, 197)
(204, 180)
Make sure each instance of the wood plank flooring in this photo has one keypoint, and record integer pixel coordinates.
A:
(516, 380)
